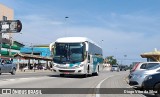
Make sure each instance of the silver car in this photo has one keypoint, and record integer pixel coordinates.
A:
(139, 76)
(6, 66)
(142, 66)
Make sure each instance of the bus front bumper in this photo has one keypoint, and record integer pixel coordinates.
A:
(77, 71)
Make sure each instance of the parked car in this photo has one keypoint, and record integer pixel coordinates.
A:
(142, 66)
(6, 66)
(152, 82)
(115, 68)
(139, 76)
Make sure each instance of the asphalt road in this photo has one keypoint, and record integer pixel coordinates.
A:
(106, 79)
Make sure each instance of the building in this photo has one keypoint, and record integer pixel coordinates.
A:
(41, 50)
(6, 13)
(9, 47)
(34, 56)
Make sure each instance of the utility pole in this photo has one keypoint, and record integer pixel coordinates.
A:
(66, 25)
(9, 26)
(10, 44)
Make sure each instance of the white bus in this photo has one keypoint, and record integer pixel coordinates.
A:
(76, 55)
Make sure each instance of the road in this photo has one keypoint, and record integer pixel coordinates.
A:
(106, 79)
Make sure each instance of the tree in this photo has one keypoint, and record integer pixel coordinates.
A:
(111, 60)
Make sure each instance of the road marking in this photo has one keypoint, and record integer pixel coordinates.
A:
(99, 85)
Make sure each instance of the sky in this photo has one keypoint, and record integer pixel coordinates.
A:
(123, 28)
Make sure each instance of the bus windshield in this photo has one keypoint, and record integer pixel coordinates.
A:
(68, 52)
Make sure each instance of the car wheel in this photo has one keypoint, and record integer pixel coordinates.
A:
(157, 88)
(13, 71)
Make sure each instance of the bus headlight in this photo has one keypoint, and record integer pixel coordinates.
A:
(75, 66)
(56, 65)
(81, 65)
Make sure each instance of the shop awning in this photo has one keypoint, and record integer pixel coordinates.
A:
(153, 55)
(29, 56)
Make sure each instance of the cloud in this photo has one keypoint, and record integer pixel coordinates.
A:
(121, 34)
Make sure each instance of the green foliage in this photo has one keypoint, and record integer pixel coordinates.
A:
(111, 60)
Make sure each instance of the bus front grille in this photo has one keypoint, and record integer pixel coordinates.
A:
(66, 70)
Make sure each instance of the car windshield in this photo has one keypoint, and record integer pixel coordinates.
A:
(154, 67)
(69, 52)
(114, 66)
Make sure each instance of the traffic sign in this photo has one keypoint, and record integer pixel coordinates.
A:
(10, 26)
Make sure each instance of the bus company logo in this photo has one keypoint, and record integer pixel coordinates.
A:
(6, 91)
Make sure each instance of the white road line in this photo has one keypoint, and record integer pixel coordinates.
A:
(99, 85)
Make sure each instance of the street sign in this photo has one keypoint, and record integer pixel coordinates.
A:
(10, 26)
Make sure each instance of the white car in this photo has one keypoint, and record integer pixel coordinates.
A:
(115, 68)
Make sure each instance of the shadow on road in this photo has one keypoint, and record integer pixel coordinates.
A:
(70, 76)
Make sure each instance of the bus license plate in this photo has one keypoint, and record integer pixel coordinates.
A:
(66, 72)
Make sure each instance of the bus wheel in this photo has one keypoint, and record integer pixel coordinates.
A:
(85, 75)
(96, 73)
(61, 75)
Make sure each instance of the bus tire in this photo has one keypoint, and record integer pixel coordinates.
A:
(84, 75)
(96, 73)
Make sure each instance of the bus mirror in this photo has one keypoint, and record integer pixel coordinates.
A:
(86, 46)
(51, 46)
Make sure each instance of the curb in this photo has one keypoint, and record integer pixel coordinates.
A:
(32, 71)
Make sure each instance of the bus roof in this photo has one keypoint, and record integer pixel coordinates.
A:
(74, 40)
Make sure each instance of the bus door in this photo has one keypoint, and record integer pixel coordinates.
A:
(90, 62)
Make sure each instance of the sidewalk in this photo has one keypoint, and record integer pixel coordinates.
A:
(32, 71)
(107, 68)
